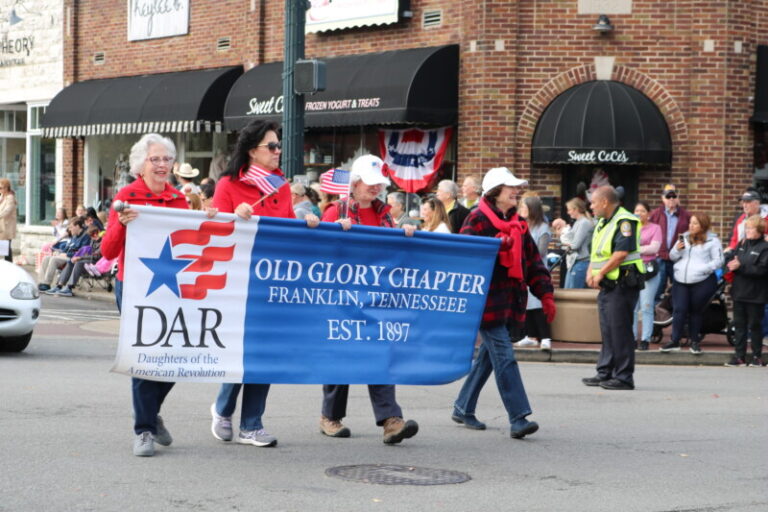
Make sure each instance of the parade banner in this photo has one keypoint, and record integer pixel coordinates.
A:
(272, 301)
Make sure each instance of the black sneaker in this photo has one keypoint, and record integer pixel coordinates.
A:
(671, 347)
(593, 381)
(695, 348)
(735, 361)
(616, 384)
(757, 362)
(643, 346)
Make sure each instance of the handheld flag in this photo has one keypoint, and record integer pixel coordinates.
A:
(335, 181)
(266, 182)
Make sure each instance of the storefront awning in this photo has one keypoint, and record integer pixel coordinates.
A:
(602, 122)
(761, 86)
(419, 85)
(186, 101)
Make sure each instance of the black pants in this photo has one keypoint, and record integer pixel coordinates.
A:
(536, 325)
(688, 304)
(748, 319)
(382, 399)
(616, 308)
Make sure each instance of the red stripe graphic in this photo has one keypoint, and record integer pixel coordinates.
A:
(204, 262)
(203, 283)
(203, 235)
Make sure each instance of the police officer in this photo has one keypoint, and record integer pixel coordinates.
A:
(616, 268)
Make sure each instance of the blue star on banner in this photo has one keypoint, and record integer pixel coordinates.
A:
(164, 269)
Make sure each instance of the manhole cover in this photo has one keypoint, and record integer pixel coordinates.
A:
(391, 474)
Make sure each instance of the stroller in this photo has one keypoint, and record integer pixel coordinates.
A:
(716, 320)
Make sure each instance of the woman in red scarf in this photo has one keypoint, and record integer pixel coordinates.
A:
(256, 154)
(518, 267)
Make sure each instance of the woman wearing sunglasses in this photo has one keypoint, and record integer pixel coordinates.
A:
(257, 153)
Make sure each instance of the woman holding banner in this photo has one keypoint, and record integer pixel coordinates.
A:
(151, 160)
(251, 185)
(364, 207)
(518, 268)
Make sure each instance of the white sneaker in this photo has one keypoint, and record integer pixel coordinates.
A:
(546, 344)
(527, 342)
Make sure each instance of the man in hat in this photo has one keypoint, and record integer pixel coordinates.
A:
(750, 204)
(673, 220)
(186, 175)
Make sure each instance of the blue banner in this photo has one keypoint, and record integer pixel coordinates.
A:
(273, 301)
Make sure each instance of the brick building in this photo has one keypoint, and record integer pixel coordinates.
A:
(689, 64)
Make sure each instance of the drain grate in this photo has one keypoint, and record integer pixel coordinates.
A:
(390, 474)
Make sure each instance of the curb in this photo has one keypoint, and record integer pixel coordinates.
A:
(713, 358)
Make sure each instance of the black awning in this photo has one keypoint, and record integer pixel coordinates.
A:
(186, 101)
(602, 122)
(419, 85)
(761, 86)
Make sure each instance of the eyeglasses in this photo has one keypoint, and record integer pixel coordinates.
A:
(157, 160)
(272, 146)
(670, 195)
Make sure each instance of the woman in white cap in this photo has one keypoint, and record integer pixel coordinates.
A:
(518, 268)
(363, 207)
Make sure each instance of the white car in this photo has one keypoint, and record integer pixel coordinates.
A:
(19, 307)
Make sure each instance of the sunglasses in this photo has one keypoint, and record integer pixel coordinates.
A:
(670, 195)
(272, 146)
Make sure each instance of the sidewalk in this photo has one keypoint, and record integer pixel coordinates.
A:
(715, 348)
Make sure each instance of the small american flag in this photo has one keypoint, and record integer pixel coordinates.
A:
(335, 181)
(266, 182)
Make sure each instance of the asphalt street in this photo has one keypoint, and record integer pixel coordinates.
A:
(688, 439)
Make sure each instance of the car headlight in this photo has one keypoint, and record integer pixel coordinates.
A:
(25, 291)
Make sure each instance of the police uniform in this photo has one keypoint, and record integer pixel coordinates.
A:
(619, 292)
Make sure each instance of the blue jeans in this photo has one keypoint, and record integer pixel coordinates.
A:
(148, 395)
(765, 322)
(254, 403)
(577, 275)
(495, 355)
(666, 275)
(688, 303)
(645, 307)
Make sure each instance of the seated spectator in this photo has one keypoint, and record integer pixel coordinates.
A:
(314, 198)
(434, 217)
(80, 211)
(59, 224)
(59, 258)
(75, 267)
(92, 219)
(749, 291)
(696, 256)
(103, 217)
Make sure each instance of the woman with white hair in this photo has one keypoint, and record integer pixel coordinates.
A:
(151, 161)
(364, 207)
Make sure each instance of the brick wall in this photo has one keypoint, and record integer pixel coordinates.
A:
(516, 56)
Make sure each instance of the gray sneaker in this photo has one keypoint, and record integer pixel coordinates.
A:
(256, 438)
(221, 426)
(163, 437)
(144, 445)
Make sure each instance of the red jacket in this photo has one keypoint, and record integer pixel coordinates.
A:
(137, 193)
(231, 193)
(657, 216)
(379, 208)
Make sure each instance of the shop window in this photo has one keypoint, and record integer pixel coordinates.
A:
(42, 180)
(207, 152)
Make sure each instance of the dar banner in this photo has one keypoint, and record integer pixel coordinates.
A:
(273, 301)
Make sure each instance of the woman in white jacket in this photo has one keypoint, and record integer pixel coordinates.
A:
(696, 256)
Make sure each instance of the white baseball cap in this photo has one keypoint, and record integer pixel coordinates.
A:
(369, 168)
(501, 176)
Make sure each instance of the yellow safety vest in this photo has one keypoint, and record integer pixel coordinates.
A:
(601, 245)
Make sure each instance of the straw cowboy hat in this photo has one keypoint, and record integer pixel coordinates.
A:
(186, 171)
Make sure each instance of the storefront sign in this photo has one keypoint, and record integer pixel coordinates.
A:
(150, 19)
(338, 14)
(274, 105)
(14, 50)
(598, 157)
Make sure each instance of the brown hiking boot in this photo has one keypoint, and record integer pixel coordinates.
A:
(395, 429)
(333, 428)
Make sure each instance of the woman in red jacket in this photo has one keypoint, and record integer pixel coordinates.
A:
(256, 153)
(151, 162)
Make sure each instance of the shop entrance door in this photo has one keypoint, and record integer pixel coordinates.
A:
(577, 178)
